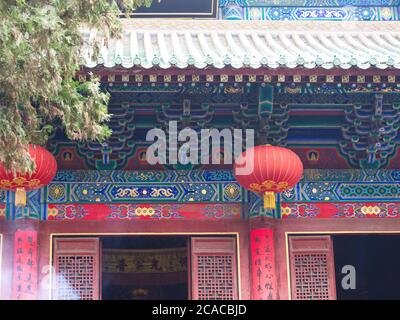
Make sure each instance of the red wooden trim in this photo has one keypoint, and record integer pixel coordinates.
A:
(144, 211)
(340, 210)
(100, 269)
(189, 263)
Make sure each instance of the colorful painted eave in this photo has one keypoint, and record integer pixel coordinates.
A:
(165, 44)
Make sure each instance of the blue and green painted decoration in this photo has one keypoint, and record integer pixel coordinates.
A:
(309, 10)
(201, 186)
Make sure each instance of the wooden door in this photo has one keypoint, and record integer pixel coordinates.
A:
(77, 269)
(214, 268)
(312, 269)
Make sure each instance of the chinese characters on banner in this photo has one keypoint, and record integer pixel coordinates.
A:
(262, 257)
(25, 265)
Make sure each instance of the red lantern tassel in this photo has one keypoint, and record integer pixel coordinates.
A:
(269, 200)
(20, 197)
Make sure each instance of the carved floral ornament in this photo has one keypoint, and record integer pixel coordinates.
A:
(269, 185)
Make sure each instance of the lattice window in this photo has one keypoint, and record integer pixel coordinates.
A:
(214, 269)
(312, 268)
(75, 277)
(215, 278)
(77, 269)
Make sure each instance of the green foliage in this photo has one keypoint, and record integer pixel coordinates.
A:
(40, 54)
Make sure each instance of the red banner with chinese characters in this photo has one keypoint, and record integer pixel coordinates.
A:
(263, 265)
(25, 265)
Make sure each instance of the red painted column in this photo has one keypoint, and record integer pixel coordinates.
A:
(263, 264)
(25, 267)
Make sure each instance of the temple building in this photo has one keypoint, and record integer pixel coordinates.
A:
(321, 78)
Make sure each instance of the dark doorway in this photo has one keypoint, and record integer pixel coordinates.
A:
(376, 259)
(145, 268)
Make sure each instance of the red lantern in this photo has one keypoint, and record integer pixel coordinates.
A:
(46, 168)
(270, 170)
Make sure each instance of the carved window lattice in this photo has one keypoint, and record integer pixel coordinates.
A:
(215, 276)
(311, 276)
(75, 277)
(312, 268)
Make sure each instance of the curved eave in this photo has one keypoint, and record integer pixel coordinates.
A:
(165, 44)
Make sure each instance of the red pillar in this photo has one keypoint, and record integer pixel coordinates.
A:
(25, 267)
(263, 264)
